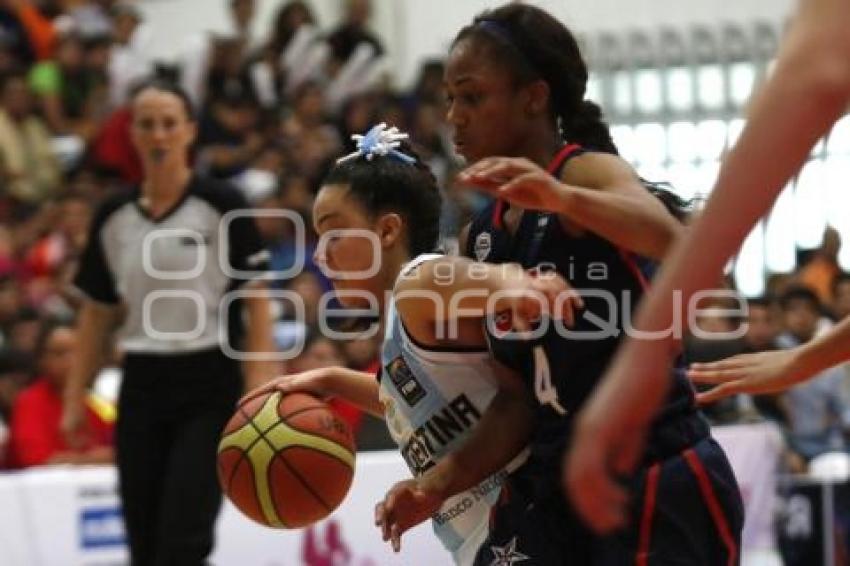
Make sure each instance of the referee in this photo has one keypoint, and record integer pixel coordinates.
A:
(156, 263)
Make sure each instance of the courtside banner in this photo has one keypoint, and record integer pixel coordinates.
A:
(67, 516)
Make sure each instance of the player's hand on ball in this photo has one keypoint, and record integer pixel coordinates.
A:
(314, 381)
(762, 372)
(405, 506)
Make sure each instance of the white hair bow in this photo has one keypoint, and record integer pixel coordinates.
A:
(379, 140)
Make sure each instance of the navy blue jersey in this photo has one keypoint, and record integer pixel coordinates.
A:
(561, 369)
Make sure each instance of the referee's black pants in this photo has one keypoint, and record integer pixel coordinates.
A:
(171, 411)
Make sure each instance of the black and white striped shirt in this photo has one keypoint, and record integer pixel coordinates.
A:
(174, 272)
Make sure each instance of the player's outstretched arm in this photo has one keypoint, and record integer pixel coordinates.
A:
(500, 435)
(359, 388)
(451, 288)
(598, 192)
(775, 371)
(808, 91)
(258, 337)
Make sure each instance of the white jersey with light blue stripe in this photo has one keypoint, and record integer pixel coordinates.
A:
(432, 401)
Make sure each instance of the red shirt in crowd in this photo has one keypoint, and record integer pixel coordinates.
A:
(349, 413)
(34, 432)
(114, 148)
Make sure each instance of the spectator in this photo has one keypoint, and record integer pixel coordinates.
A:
(39, 29)
(51, 260)
(289, 18)
(10, 301)
(817, 274)
(309, 131)
(268, 70)
(242, 16)
(13, 34)
(816, 409)
(352, 32)
(66, 89)
(24, 331)
(8, 61)
(28, 168)
(841, 296)
(715, 344)
(35, 437)
(362, 354)
(763, 328)
(228, 137)
(356, 116)
(228, 76)
(14, 371)
(776, 285)
(113, 150)
(14, 374)
(129, 58)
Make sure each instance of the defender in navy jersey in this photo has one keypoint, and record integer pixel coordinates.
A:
(516, 82)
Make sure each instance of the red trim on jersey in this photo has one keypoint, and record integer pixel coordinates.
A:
(713, 505)
(642, 557)
(561, 156)
(552, 168)
(498, 212)
(504, 499)
(629, 259)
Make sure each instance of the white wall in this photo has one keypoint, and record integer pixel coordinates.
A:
(414, 30)
(173, 21)
(428, 26)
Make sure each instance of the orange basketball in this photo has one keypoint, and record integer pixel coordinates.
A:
(286, 461)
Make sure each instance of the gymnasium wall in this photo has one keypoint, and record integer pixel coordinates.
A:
(414, 30)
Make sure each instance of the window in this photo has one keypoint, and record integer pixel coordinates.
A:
(674, 120)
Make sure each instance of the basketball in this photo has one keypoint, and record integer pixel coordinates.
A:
(286, 461)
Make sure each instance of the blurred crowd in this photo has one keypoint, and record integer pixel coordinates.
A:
(798, 306)
(274, 112)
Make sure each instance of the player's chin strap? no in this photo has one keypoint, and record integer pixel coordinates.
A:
(380, 141)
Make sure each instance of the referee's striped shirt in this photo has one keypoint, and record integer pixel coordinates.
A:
(173, 272)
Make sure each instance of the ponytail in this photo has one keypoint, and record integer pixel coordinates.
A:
(586, 127)
(534, 45)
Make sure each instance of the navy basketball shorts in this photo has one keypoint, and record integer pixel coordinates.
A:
(686, 510)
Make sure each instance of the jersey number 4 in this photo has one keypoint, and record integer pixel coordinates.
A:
(543, 388)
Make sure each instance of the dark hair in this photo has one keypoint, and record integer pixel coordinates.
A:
(680, 208)
(11, 76)
(313, 334)
(46, 330)
(386, 184)
(840, 278)
(534, 45)
(169, 87)
(764, 301)
(799, 293)
(282, 32)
